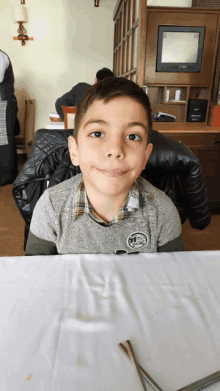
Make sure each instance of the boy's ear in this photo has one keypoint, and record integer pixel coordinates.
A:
(147, 152)
(73, 150)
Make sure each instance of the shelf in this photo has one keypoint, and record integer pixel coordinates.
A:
(184, 127)
(176, 102)
(175, 95)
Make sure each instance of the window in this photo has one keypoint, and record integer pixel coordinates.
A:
(125, 40)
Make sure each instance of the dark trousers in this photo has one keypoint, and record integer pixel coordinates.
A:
(8, 153)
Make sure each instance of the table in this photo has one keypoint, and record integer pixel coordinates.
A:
(63, 316)
(55, 125)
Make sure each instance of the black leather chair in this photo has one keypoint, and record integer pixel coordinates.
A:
(172, 168)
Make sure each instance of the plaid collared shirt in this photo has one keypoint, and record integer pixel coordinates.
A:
(83, 205)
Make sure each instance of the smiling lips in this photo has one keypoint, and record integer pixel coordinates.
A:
(113, 173)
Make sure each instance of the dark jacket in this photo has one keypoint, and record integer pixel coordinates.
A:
(71, 98)
(172, 168)
(7, 92)
(10, 123)
(7, 84)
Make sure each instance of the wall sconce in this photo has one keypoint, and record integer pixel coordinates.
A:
(21, 17)
(96, 3)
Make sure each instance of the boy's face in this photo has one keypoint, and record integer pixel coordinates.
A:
(111, 147)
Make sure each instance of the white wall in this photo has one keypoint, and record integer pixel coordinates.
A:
(72, 41)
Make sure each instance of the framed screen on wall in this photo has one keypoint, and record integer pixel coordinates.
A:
(180, 48)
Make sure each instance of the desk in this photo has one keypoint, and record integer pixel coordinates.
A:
(62, 317)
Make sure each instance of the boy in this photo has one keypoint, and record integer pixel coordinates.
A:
(107, 208)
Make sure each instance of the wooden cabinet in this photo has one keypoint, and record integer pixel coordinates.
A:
(135, 54)
(136, 50)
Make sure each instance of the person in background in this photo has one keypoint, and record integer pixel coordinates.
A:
(7, 84)
(74, 96)
(9, 124)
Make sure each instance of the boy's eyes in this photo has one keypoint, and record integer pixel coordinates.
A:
(97, 134)
(131, 135)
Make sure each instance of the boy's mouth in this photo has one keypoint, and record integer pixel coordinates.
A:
(113, 173)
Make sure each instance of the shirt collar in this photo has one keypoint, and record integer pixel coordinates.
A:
(83, 205)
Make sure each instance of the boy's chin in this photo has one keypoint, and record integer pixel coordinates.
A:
(112, 187)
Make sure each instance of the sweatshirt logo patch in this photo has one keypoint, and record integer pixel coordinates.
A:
(137, 240)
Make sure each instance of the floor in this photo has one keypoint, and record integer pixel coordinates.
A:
(12, 228)
(11, 222)
(11, 225)
(208, 239)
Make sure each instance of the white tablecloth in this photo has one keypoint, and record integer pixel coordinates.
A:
(63, 316)
(55, 125)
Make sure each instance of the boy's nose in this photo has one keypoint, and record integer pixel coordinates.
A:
(115, 150)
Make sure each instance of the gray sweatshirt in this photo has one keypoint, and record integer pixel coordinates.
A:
(149, 229)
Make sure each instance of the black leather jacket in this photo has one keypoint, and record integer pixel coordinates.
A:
(172, 167)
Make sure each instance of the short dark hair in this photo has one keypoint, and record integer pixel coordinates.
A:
(104, 73)
(107, 90)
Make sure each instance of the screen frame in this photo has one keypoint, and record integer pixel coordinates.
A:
(183, 67)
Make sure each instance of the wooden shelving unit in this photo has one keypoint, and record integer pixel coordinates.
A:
(134, 19)
(135, 53)
(158, 98)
